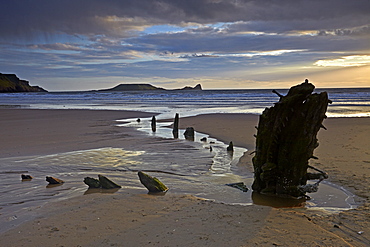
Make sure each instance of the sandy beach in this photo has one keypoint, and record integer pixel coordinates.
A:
(128, 219)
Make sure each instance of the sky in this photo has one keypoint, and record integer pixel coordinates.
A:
(74, 45)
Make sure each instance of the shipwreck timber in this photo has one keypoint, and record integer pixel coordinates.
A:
(285, 141)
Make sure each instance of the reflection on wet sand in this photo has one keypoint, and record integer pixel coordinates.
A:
(277, 202)
(99, 190)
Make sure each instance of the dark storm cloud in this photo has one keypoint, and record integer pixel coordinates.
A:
(28, 19)
(361, 31)
(186, 42)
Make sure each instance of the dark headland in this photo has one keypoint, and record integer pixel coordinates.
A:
(140, 87)
(10, 83)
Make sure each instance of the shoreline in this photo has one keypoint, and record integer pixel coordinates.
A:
(133, 219)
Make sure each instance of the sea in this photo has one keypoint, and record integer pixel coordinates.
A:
(347, 102)
(186, 167)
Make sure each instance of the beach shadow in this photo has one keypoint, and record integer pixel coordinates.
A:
(158, 193)
(53, 185)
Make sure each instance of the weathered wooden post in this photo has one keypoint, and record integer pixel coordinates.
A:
(154, 124)
(189, 134)
(230, 148)
(286, 139)
(153, 184)
(175, 130)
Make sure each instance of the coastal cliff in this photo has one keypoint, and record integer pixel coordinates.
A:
(140, 87)
(10, 83)
(197, 87)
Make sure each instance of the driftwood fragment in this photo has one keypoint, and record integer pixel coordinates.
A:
(106, 183)
(321, 173)
(26, 177)
(152, 183)
(53, 180)
(286, 139)
(240, 185)
(278, 94)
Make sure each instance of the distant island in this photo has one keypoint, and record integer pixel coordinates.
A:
(140, 87)
(10, 83)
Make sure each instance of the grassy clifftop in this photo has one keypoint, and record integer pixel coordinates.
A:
(10, 83)
(133, 87)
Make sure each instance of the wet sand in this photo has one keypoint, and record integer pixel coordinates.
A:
(128, 219)
(35, 132)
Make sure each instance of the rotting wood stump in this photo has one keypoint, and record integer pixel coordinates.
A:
(285, 141)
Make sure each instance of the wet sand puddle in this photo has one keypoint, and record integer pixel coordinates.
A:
(184, 166)
(224, 169)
